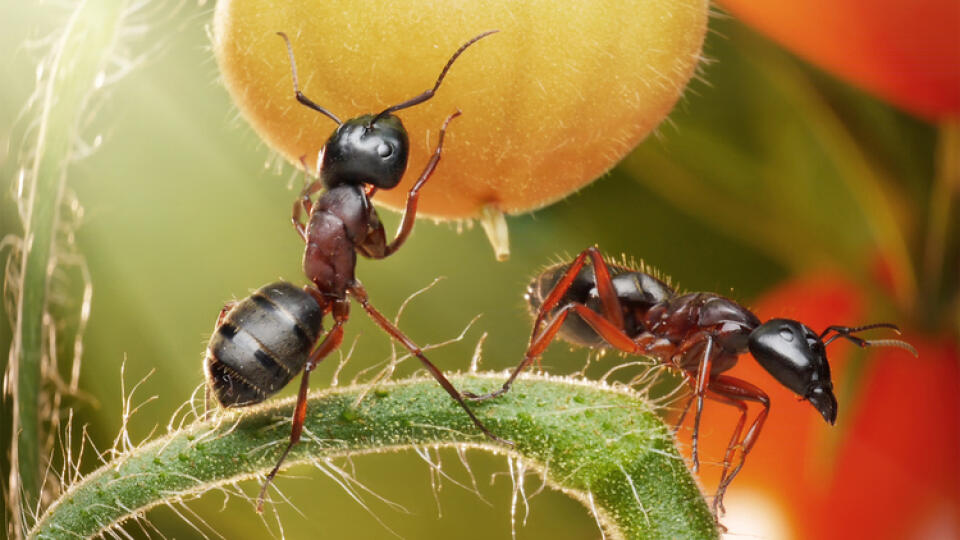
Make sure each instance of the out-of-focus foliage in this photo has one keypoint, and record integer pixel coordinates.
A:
(767, 170)
(904, 52)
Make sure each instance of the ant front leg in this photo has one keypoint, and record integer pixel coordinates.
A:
(358, 292)
(735, 391)
(333, 339)
(413, 196)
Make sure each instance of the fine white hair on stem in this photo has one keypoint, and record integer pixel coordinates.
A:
(636, 496)
(462, 455)
(596, 514)
(344, 358)
(123, 444)
(437, 467)
(388, 371)
(477, 354)
(351, 478)
(323, 467)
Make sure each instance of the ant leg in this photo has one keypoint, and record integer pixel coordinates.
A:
(330, 343)
(223, 312)
(358, 292)
(607, 330)
(731, 447)
(739, 390)
(536, 348)
(608, 297)
(703, 379)
(304, 100)
(299, 414)
(303, 206)
(413, 196)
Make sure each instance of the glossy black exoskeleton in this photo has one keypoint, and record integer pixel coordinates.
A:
(362, 155)
(700, 335)
(261, 342)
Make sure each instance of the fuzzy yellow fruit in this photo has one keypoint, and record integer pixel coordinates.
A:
(549, 103)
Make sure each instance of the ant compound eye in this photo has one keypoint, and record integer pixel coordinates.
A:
(384, 150)
(786, 334)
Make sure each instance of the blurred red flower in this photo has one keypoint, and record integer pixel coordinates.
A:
(890, 468)
(907, 53)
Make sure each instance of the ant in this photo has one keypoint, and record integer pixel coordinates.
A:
(262, 342)
(700, 335)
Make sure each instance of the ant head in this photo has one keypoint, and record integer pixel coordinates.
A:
(369, 149)
(366, 150)
(796, 356)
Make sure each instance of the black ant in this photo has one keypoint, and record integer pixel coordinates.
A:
(263, 341)
(700, 335)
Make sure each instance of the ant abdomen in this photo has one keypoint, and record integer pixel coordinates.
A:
(261, 343)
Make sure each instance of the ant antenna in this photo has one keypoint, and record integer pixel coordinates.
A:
(847, 333)
(296, 87)
(429, 93)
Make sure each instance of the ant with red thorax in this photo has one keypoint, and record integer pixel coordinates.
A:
(700, 335)
(261, 342)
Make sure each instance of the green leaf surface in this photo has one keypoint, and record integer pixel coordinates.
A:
(604, 446)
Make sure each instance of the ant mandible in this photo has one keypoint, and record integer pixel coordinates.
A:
(700, 335)
(263, 341)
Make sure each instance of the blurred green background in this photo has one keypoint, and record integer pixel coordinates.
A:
(753, 179)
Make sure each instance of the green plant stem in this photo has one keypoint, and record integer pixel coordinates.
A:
(603, 446)
(78, 57)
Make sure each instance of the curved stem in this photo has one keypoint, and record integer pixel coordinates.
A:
(70, 76)
(602, 445)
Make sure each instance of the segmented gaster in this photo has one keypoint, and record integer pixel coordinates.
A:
(262, 343)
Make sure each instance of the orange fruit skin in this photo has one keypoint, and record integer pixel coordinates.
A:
(549, 103)
(905, 52)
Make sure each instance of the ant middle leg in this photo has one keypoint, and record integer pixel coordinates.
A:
(360, 294)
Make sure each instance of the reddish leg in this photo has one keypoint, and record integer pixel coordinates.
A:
(737, 391)
(333, 339)
(608, 297)
(703, 379)
(537, 346)
(302, 206)
(413, 196)
(731, 446)
(358, 292)
(607, 330)
(223, 313)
